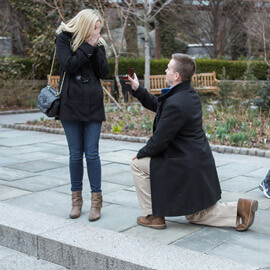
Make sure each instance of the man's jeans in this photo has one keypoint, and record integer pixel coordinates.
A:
(83, 137)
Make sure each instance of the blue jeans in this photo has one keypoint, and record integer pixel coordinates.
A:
(83, 137)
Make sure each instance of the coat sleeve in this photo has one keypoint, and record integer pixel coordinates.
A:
(71, 61)
(100, 64)
(148, 100)
(170, 123)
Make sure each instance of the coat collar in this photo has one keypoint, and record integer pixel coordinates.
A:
(181, 86)
(68, 33)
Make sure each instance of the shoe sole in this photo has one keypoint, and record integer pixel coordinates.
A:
(73, 217)
(252, 210)
(264, 192)
(158, 227)
(94, 219)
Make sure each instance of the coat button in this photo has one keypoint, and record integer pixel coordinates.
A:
(89, 54)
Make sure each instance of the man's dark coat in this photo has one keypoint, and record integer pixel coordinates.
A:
(182, 169)
(82, 94)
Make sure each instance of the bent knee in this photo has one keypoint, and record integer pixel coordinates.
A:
(134, 164)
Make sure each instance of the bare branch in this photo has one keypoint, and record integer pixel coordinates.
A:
(55, 7)
(161, 8)
(125, 24)
(258, 28)
(48, 4)
(59, 11)
(264, 45)
(106, 25)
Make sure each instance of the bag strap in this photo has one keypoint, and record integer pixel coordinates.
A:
(62, 82)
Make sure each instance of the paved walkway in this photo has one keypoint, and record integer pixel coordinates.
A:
(34, 175)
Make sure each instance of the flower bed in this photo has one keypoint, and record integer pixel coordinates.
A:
(234, 126)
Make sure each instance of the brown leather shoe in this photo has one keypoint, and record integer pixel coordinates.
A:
(77, 202)
(96, 204)
(152, 222)
(246, 211)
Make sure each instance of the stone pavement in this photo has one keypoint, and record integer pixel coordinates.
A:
(34, 176)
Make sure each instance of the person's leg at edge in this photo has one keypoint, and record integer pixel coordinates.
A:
(140, 169)
(91, 147)
(267, 178)
(74, 135)
(227, 215)
(265, 185)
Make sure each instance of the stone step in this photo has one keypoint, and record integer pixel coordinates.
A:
(14, 260)
(76, 246)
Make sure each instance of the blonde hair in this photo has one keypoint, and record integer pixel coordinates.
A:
(81, 26)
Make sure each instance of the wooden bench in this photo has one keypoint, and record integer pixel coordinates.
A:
(202, 82)
(55, 82)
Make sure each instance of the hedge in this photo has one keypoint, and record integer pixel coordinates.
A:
(23, 67)
(234, 69)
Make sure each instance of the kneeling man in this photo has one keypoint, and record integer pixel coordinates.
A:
(175, 172)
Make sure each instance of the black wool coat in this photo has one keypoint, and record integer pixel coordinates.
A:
(82, 95)
(183, 174)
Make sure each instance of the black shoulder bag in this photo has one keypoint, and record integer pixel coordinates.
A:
(48, 99)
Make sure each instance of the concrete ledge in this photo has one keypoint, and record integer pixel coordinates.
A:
(78, 246)
(19, 111)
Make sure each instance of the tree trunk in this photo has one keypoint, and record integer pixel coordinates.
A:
(215, 33)
(15, 26)
(131, 38)
(146, 53)
(157, 39)
(116, 73)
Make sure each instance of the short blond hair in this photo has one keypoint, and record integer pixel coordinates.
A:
(184, 65)
(81, 26)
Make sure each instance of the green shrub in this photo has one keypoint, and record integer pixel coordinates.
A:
(124, 64)
(234, 69)
(226, 88)
(157, 66)
(262, 99)
(22, 67)
(117, 129)
(15, 67)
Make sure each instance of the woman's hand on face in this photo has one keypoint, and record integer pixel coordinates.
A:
(134, 83)
(94, 38)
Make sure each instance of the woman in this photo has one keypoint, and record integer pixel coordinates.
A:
(83, 63)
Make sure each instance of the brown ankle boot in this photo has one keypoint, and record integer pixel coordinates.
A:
(77, 202)
(96, 204)
(152, 222)
(246, 211)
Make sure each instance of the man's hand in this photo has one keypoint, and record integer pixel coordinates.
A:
(134, 83)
